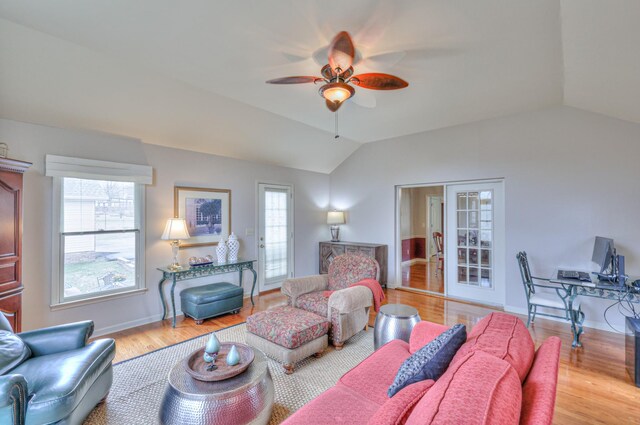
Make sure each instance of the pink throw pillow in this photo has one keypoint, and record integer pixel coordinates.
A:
(396, 410)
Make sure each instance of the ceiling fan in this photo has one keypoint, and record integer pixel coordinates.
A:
(337, 75)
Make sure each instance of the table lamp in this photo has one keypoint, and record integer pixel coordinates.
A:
(335, 218)
(175, 231)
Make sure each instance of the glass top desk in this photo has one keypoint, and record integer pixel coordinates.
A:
(572, 288)
(194, 272)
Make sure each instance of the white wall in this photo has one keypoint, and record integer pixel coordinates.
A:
(569, 175)
(172, 167)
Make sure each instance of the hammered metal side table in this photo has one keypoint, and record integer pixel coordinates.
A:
(243, 399)
(394, 321)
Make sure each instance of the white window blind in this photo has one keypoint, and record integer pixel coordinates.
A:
(80, 168)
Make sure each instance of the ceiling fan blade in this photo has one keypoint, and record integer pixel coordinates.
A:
(341, 51)
(294, 80)
(333, 106)
(377, 81)
(364, 98)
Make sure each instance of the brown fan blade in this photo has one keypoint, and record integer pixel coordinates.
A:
(333, 106)
(294, 80)
(341, 51)
(377, 81)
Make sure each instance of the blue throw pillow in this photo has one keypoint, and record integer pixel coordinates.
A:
(12, 351)
(431, 361)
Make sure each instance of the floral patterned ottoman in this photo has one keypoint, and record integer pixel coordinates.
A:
(288, 334)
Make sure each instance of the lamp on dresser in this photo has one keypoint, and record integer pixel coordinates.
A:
(175, 230)
(335, 219)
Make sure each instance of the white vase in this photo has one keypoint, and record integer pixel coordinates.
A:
(234, 247)
(221, 252)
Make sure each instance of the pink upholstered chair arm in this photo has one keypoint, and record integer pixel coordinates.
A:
(423, 333)
(351, 299)
(539, 389)
(297, 286)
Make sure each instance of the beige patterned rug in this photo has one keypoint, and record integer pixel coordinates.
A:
(139, 383)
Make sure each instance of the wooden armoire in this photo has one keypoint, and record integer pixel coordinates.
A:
(11, 172)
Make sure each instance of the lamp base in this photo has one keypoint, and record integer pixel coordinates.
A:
(335, 233)
(175, 245)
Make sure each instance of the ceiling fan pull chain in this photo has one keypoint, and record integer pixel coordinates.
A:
(337, 136)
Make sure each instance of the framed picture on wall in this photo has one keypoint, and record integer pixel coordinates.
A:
(207, 213)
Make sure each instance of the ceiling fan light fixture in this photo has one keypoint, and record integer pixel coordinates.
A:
(337, 92)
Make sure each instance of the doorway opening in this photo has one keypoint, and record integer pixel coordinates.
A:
(275, 235)
(450, 240)
(422, 234)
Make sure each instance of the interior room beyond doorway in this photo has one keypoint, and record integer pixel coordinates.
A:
(422, 235)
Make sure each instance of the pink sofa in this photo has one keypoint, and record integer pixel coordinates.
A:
(496, 377)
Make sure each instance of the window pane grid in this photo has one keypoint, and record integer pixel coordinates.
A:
(276, 233)
(99, 238)
(474, 237)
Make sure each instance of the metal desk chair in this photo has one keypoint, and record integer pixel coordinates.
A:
(545, 299)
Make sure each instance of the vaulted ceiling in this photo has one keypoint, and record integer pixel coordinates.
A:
(191, 74)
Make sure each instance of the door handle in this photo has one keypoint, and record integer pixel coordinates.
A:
(261, 245)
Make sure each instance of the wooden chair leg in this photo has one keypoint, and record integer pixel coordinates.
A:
(288, 368)
(199, 321)
(338, 345)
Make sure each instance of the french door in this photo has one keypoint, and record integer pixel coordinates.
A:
(475, 242)
(275, 235)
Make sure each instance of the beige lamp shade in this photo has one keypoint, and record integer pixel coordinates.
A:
(335, 217)
(175, 229)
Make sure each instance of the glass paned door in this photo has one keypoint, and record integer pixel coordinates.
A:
(275, 235)
(475, 221)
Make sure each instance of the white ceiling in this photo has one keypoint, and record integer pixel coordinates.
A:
(191, 74)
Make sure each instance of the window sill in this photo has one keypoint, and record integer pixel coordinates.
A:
(97, 299)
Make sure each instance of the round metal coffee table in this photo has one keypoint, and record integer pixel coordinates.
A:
(243, 399)
(394, 321)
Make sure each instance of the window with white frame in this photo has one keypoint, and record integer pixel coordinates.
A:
(98, 240)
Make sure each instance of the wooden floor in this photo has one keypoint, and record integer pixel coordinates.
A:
(424, 276)
(593, 385)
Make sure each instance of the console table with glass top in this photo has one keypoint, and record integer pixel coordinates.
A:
(596, 289)
(195, 272)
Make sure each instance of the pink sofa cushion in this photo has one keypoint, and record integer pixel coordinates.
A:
(338, 405)
(423, 333)
(539, 390)
(372, 377)
(347, 269)
(479, 389)
(397, 409)
(503, 336)
(287, 326)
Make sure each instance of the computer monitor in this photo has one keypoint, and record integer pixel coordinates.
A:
(603, 251)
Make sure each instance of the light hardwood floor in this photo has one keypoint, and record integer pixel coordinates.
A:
(593, 384)
(423, 276)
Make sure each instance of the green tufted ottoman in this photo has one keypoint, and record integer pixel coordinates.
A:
(202, 302)
(288, 334)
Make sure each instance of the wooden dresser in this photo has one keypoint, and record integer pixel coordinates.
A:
(330, 250)
(11, 287)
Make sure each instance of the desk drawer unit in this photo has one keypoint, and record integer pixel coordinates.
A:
(632, 349)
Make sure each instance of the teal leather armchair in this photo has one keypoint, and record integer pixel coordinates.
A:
(64, 378)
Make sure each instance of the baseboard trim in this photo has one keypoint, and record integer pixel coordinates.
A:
(142, 321)
(127, 325)
(414, 261)
(587, 323)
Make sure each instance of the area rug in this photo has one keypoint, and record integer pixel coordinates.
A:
(139, 383)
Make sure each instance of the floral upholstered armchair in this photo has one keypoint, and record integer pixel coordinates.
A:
(330, 295)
